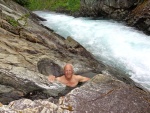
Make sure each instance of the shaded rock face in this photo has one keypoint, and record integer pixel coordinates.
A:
(48, 67)
(108, 7)
(133, 12)
(140, 17)
(106, 94)
(9, 94)
(112, 3)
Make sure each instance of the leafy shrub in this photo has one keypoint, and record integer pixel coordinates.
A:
(23, 2)
(72, 5)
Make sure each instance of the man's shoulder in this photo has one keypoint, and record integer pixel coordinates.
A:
(78, 76)
(82, 78)
(60, 77)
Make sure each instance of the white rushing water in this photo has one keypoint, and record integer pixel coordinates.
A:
(113, 43)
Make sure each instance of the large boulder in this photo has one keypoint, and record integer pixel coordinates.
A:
(106, 94)
(21, 82)
(26, 80)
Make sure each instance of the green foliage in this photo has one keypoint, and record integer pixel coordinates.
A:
(23, 2)
(23, 18)
(13, 22)
(71, 5)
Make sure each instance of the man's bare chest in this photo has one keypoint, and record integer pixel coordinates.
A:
(71, 83)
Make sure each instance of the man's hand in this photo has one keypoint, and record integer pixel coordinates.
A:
(51, 78)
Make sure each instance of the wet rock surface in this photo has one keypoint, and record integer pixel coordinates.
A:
(105, 94)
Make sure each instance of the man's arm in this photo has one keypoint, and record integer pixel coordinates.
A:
(51, 78)
(82, 79)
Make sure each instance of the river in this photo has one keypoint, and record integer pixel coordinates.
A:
(111, 42)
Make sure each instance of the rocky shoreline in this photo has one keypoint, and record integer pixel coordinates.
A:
(30, 52)
(135, 13)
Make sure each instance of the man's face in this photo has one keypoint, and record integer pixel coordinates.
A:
(68, 70)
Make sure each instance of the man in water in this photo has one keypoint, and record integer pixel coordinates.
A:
(69, 79)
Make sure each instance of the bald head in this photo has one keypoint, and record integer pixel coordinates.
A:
(68, 70)
(68, 66)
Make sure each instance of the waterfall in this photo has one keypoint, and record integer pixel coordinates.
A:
(109, 41)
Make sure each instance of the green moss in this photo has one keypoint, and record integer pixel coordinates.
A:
(13, 22)
(23, 18)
